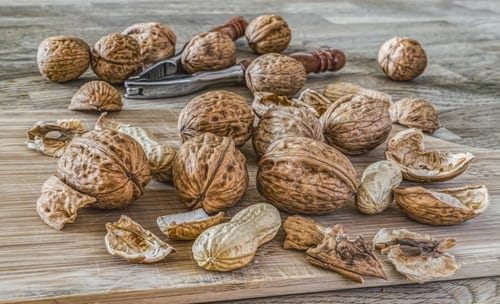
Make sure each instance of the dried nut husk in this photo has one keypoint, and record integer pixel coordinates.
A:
(160, 156)
(208, 52)
(265, 101)
(303, 233)
(314, 99)
(268, 34)
(350, 258)
(340, 89)
(285, 122)
(96, 95)
(356, 124)
(188, 225)
(275, 73)
(52, 137)
(58, 204)
(303, 175)
(209, 172)
(115, 57)
(407, 149)
(107, 165)
(156, 40)
(62, 58)
(402, 58)
(232, 245)
(128, 240)
(442, 206)
(375, 191)
(415, 113)
(219, 112)
(432, 262)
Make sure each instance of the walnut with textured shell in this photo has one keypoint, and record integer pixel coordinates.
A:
(265, 101)
(303, 233)
(96, 95)
(415, 113)
(187, 225)
(268, 34)
(314, 99)
(156, 40)
(337, 90)
(402, 58)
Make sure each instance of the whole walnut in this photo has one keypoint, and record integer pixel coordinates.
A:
(284, 122)
(156, 40)
(115, 57)
(275, 73)
(220, 112)
(303, 175)
(62, 58)
(268, 34)
(356, 124)
(402, 58)
(96, 95)
(209, 172)
(208, 52)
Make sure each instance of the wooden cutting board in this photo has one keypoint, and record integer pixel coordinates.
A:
(43, 265)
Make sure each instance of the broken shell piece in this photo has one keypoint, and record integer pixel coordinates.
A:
(316, 100)
(339, 89)
(96, 95)
(432, 262)
(407, 149)
(188, 225)
(303, 233)
(351, 259)
(52, 137)
(442, 206)
(160, 157)
(264, 101)
(130, 241)
(415, 113)
(58, 204)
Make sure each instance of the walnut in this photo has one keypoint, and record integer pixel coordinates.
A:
(303, 175)
(62, 58)
(265, 101)
(285, 122)
(356, 124)
(209, 172)
(115, 57)
(268, 34)
(156, 40)
(316, 100)
(188, 225)
(402, 58)
(340, 89)
(219, 112)
(98, 96)
(415, 113)
(303, 233)
(208, 52)
(275, 73)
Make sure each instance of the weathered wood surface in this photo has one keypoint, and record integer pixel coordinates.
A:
(462, 81)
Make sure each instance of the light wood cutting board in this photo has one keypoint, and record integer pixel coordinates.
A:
(42, 265)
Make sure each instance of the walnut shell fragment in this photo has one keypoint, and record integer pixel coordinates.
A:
(188, 225)
(314, 99)
(265, 101)
(303, 233)
(432, 262)
(128, 240)
(268, 34)
(160, 156)
(340, 89)
(442, 206)
(209, 172)
(52, 137)
(407, 149)
(415, 113)
(402, 58)
(156, 40)
(96, 96)
(350, 258)
(375, 191)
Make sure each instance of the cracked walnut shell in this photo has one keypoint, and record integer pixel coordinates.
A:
(96, 95)
(315, 100)
(415, 113)
(268, 34)
(265, 101)
(156, 41)
(188, 225)
(402, 58)
(303, 233)
(337, 90)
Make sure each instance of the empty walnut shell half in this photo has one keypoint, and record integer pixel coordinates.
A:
(265, 101)
(187, 225)
(303, 175)
(340, 89)
(442, 206)
(209, 172)
(219, 112)
(285, 122)
(402, 58)
(415, 113)
(275, 73)
(128, 240)
(375, 191)
(97, 96)
(314, 99)
(303, 233)
(268, 34)
(356, 124)
(407, 149)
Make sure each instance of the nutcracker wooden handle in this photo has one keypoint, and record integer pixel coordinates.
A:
(234, 28)
(321, 61)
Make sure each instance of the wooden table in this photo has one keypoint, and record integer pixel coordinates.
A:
(462, 80)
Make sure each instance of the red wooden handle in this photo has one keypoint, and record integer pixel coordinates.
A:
(321, 61)
(234, 28)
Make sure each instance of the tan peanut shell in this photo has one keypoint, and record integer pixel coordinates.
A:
(156, 40)
(62, 58)
(303, 233)
(356, 124)
(415, 113)
(268, 34)
(96, 95)
(314, 99)
(303, 175)
(340, 89)
(402, 58)
(209, 172)
(442, 206)
(187, 225)
(265, 101)
(232, 245)
(219, 112)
